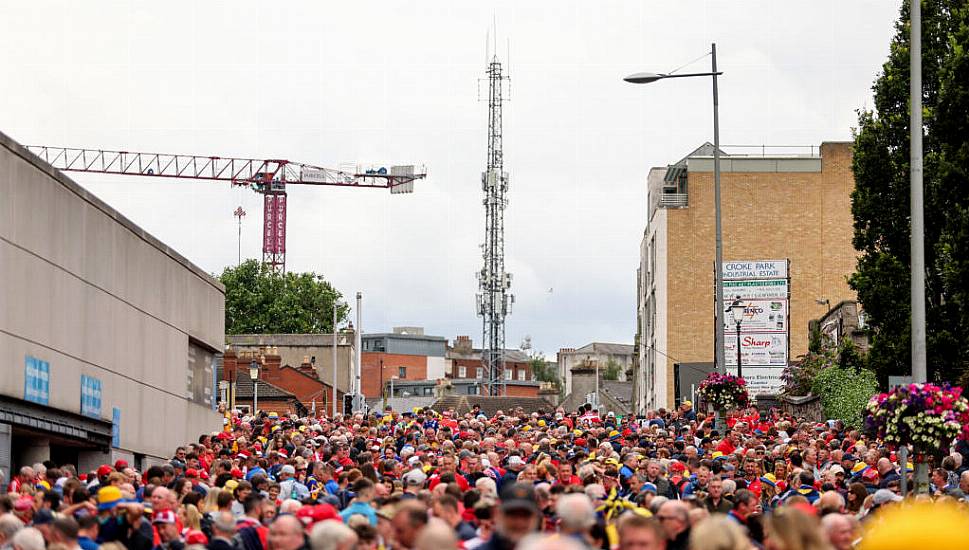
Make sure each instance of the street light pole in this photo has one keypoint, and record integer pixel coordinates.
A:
(720, 337)
(254, 376)
(740, 365)
(737, 311)
(919, 367)
(719, 325)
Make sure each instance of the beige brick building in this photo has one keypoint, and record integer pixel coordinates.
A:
(790, 206)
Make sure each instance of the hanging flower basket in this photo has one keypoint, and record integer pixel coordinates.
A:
(722, 392)
(928, 417)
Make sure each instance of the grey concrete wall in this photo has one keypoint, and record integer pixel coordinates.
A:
(294, 347)
(90, 292)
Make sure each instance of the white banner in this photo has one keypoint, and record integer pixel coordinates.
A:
(761, 380)
(756, 349)
(769, 288)
(759, 316)
(759, 269)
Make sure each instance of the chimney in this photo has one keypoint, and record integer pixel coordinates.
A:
(271, 363)
(463, 344)
(229, 365)
(307, 368)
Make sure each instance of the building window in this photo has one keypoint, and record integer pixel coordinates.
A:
(428, 391)
(479, 372)
(462, 372)
(521, 374)
(508, 374)
(472, 390)
(402, 372)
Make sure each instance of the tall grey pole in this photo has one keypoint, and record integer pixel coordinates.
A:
(255, 396)
(719, 325)
(334, 357)
(357, 393)
(919, 371)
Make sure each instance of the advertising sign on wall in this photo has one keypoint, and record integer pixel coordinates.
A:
(36, 380)
(90, 396)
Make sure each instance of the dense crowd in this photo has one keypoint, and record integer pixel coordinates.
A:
(433, 480)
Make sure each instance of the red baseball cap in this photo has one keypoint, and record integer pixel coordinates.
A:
(104, 470)
(191, 472)
(120, 464)
(236, 472)
(311, 515)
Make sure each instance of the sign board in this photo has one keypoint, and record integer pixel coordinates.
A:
(90, 396)
(763, 287)
(36, 380)
(757, 350)
(269, 220)
(755, 289)
(755, 269)
(759, 316)
(761, 380)
(115, 427)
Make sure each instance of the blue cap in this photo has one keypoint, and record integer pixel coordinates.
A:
(649, 487)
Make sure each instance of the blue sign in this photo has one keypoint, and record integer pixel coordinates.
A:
(115, 427)
(90, 396)
(36, 380)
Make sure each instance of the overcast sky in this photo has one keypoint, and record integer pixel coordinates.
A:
(330, 83)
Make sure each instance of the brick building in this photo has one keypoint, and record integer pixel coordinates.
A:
(464, 361)
(406, 353)
(281, 387)
(789, 206)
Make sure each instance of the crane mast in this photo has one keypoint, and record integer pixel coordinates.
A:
(268, 177)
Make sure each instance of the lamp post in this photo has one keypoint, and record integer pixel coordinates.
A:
(737, 309)
(646, 78)
(337, 304)
(254, 376)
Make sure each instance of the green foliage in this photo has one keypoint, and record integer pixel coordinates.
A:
(545, 371)
(258, 301)
(880, 201)
(845, 392)
(800, 376)
(612, 370)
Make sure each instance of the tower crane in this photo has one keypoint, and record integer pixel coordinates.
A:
(268, 177)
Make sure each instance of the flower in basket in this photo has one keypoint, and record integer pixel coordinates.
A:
(722, 392)
(927, 416)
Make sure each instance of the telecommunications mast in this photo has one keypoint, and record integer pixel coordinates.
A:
(494, 300)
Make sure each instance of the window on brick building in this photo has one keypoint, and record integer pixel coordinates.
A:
(521, 374)
(508, 374)
(479, 372)
(402, 372)
(462, 372)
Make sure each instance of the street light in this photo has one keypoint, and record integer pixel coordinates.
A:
(337, 304)
(737, 309)
(254, 376)
(646, 78)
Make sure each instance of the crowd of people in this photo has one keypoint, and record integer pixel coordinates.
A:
(436, 480)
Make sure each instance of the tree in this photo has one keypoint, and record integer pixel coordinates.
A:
(844, 392)
(612, 371)
(880, 201)
(544, 371)
(258, 301)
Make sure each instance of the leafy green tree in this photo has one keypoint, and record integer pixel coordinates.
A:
(258, 301)
(612, 370)
(880, 202)
(544, 371)
(844, 392)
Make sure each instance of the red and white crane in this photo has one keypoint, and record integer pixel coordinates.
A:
(268, 177)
